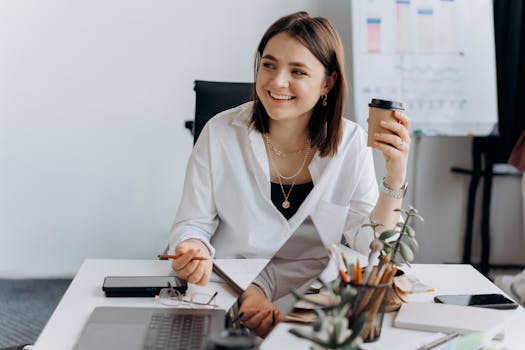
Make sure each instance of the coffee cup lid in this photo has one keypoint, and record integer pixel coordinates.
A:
(385, 104)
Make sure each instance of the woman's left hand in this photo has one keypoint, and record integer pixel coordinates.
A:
(258, 313)
(395, 148)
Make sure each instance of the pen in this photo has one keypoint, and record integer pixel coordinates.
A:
(439, 341)
(273, 317)
(163, 256)
(229, 281)
(237, 319)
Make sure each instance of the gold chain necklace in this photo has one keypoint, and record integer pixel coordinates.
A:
(280, 153)
(286, 202)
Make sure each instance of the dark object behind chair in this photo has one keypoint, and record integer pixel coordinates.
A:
(213, 97)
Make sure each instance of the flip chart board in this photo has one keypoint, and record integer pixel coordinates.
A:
(435, 56)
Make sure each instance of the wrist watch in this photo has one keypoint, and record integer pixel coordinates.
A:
(394, 193)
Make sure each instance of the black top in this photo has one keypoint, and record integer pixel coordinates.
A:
(296, 198)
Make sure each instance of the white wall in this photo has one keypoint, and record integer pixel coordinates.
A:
(93, 98)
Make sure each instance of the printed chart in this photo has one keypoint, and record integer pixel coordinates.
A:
(435, 56)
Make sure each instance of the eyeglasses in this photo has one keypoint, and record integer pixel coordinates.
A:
(172, 297)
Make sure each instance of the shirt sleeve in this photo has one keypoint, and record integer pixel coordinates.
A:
(197, 213)
(362, 203)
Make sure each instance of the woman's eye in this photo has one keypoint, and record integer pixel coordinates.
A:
(298, 72)
(268, 65)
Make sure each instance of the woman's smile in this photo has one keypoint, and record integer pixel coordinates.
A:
(280, 97)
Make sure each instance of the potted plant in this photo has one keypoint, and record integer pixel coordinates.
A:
(356, 314)
(331, 329)
(401, 241)
(397, 246)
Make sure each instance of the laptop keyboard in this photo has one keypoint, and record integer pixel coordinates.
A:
(177, 331)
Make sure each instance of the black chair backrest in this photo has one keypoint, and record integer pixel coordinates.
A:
(213, 97)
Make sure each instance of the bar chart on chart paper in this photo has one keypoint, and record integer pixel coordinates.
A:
(436, 56)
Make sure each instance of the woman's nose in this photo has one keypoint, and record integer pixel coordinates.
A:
(281, 79)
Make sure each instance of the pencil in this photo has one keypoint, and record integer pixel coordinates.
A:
(163, 256)
(273, 317)
(359, 273)
(238, 318)
(440, 341)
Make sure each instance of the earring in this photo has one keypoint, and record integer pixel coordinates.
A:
(324, 98)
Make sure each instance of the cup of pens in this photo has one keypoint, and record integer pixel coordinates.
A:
(373, 286)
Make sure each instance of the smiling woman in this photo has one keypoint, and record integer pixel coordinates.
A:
(285, 164)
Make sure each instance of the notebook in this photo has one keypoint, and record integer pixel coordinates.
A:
(446, 318)
(138, 328)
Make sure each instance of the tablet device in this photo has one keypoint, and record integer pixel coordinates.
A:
(140, 286)
(493, 301)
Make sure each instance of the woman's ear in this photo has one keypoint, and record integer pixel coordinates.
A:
(329, 82)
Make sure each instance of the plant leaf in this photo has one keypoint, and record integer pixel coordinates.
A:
(410, 231)
(419, 217)
(406, 252)
(341, 313)
(300, 334)
(387, 234)
(357, 327)
(413, 244)
(348, 295)
(319, 322)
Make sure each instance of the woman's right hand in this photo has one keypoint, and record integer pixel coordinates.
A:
(193, 271)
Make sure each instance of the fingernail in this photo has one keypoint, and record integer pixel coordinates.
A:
(383, 122)
(377, 134)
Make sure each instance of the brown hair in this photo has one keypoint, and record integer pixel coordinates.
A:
(321, 38)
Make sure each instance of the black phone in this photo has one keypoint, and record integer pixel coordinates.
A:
(140, 286)
(493, 301)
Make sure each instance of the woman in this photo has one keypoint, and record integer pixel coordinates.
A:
(286, 163)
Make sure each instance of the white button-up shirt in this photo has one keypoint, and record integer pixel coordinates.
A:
(227, 202)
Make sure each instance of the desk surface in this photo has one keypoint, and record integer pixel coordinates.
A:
(84, 294)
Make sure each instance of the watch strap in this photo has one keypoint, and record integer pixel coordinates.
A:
(394, 193)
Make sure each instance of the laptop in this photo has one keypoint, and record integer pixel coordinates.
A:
(140, 328)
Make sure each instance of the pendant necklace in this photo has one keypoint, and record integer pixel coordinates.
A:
(286, 202)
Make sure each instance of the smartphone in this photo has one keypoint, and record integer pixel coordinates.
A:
(140, 286)
(493, 301)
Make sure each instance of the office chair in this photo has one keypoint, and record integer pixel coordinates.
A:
(212, 97)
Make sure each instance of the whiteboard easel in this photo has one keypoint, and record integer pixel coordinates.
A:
(435, 56)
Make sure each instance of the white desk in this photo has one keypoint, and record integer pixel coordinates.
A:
(84, 294)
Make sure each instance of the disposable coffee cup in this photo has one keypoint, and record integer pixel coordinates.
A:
(378, 111)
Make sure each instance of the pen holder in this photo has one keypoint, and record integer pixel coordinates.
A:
(371, 301)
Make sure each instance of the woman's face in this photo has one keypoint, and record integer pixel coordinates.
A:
(290, 79)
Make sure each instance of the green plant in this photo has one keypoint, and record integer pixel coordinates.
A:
(330, 330)
(401, 239)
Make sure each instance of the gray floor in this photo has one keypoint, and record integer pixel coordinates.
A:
(25, 307)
